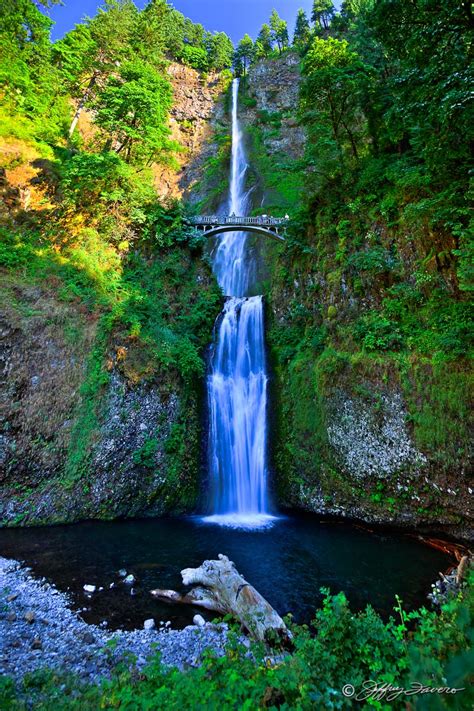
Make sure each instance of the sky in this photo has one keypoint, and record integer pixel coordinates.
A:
(235, 17)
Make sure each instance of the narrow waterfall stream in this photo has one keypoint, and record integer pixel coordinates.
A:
(237, 381)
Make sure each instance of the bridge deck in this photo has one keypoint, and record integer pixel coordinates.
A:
(218, 220)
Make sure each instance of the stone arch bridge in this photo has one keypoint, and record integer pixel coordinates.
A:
(211, 225)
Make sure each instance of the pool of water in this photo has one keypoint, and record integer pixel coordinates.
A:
(288, 563)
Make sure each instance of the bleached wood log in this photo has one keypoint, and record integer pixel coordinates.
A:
(462, 569)
(221, 588)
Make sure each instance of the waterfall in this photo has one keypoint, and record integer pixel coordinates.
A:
(237, 381)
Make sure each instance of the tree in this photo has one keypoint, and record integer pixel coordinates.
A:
(302, 33)
(334, 77)
(428, 101)
(279, 31)
(29, 82)
(90, 53)
(133, 109)
(220, 50)
(195, 57)
(323, 12)
(244, 55)
(264, 42)
(156, 31)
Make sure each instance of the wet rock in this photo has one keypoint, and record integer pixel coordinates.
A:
(122, 572)
(129, 579)
(199, 620)
(89, 589)
(149, 624)
(30, 617)
(71, 645)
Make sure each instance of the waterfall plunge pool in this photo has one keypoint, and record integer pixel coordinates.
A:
(288, 563)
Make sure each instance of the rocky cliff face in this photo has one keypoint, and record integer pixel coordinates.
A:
(85, 430)
(275, 140)
(197, 115)
(92, 423)
(374, 435)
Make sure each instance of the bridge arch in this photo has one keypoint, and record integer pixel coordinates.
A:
(253, 229)
(211, 225)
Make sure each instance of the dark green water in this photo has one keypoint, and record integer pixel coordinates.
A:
(287, 563)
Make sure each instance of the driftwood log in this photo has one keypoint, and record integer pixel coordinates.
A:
(221, 588)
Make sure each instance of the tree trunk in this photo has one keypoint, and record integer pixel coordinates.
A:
(222, 589)
(81, 104)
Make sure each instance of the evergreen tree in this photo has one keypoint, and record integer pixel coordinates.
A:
(221, 50)
(302, 33)
(323, 12)
(279, 31)
(244, 55)
(264, 42)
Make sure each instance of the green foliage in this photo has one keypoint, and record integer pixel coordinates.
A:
(264, 42)
(28, 80)
(339, 648)
(322, 14)
(302, 34)
(195, 57)
(145, 456)
(279, 31)
(243, 55)
(221, 51)
(133, 108)
(330, 104)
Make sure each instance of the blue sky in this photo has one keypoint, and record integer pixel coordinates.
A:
(236, 17)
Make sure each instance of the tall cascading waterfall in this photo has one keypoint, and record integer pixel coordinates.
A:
(237, 381)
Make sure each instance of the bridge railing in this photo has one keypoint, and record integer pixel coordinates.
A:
(234, 220)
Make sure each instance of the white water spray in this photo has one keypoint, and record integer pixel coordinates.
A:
(237, 382)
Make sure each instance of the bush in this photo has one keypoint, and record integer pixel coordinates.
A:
(339, 648)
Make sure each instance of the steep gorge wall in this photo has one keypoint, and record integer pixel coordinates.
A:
(90, 426)
(92, 423)
(373, 432)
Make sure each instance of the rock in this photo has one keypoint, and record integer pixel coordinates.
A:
(70, 645)
(12, 597)
(89, 588)
(199, 620)
(122, 572)
(149, 624)
(112, 585)
(30, 617)
(130, 579)
(11, 617)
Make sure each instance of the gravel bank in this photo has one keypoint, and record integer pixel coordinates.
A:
(39, 630)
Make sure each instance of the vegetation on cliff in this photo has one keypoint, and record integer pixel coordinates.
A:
(370, 296)
(90, 236)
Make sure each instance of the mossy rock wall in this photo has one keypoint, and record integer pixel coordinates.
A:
(366, 329)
